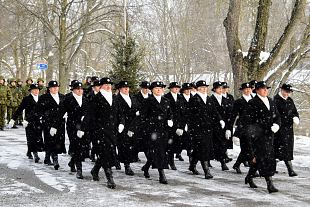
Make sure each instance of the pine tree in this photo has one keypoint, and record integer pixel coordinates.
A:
(127, 61)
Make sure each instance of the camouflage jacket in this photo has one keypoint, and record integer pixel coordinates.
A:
(5, 95)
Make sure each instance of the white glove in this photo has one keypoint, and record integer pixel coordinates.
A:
(82, 118)
(227, 134)
(80, 134)
(222, 124)
(121, 128)
(275, 127)
(11, 123)
(179, 132)
(138, 113)
(170, 123)
(296, 120)
(25, 123)
(53, 131)
(186, 128)
(130, 134)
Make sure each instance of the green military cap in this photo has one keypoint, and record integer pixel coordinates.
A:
(2, 77)
(12, 80)
(19, 80)
(29, 78)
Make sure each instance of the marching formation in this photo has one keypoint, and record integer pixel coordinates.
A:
(112, 126)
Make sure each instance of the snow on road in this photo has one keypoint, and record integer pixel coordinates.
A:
(25, 183)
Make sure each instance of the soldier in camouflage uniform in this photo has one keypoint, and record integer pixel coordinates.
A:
(21, 96)
(15, 100)
(42, 87)
(26, 92)
(5, 97)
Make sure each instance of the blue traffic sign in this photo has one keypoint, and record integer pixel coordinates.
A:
(42, 66)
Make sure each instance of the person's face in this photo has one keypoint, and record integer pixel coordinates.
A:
(35, 92)
(218, 90)
(40, 83)
(124, 90)
(262, 92)
(175, 90)
(20, 83)
(187, 92)
(247, 91)
(285, 93)
(1, 81)
(157, 91)
(54, 90)
(145, 90)
(78, 91)
(202, 89)
(96, 88)
(225, 90)
(29, 81)
(13, 84)
(106, 87)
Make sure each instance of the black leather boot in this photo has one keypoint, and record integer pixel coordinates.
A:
(110, 182)
(192, 166)
(236, 167)
(118, 165)
(209, 164)
(55, 160)
(246, 164)
(29, 155)
(79, 174)
(47, 159)
(36, 157)
(289, 166)
(162, 177)
(71, 164)
(95, 171)
(145, 169)
(224, 166)
(206, 170)
(250, 176)
(270, 186)
(128, 170)
(171, 161)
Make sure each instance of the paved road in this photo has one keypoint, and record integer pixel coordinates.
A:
(25, 183)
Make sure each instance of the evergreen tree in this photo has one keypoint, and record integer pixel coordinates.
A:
(127, 61)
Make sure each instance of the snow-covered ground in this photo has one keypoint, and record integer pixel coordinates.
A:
(25, 183)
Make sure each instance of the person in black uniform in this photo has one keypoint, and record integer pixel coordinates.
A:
(75, 105)
(105, 120)
(284, 138)
(141, 133)
(177, 130)
(48, 108)
(33, 127)
(238, 107)
(263, 121)
(91, 126)
(157, 112)
(203, 120)
(128, 111)
(185, 139)
(230, 101)
(221, 138)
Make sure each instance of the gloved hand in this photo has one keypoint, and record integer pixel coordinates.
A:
(82, 118)
(130, 134)
(296, 120)
(53, 131)
(11, 123)
(222, 124)
(25, 123)
(80, 134)
(275, 127)
(227, 134)
(170, 123)
(121, 128)
(179, 132)
(186, 128)
(138, 113)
